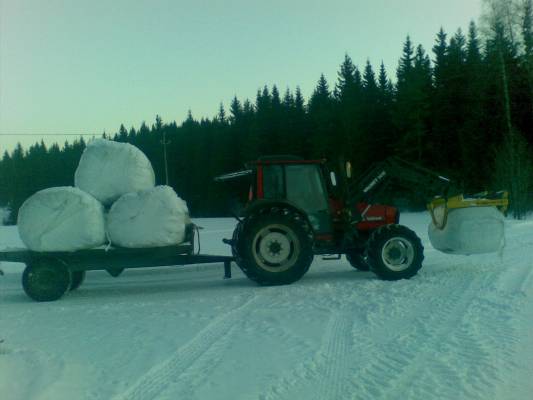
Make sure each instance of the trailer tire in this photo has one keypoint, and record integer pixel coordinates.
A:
(46, 280)
(273, 246)
(357, 260)
(394, 252)
(78, 277)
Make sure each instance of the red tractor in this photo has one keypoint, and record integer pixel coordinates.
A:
(296, 210)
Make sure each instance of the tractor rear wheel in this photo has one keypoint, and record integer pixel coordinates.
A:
(394, 252)
(357, 260)
(273, 246)
(46, 280)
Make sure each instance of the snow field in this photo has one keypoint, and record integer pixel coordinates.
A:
(461, 329)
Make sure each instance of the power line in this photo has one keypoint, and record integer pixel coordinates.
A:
(52, 134)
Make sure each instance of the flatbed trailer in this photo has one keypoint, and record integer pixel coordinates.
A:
(49, 275)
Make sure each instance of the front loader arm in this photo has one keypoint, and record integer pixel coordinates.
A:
(400, 173)
(436, 190)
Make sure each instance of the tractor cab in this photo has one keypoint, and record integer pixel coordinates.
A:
(297, 183)
(290, 181)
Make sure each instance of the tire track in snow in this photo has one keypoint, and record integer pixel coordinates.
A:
(396, 365)
(325, 366)
(480, 326)
(348, 339)
(332, 378)
(208, 344)
(313, 368)
(493, 324)
(395, 372)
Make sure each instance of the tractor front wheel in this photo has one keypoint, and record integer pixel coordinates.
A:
(274, 246)
(394, 252)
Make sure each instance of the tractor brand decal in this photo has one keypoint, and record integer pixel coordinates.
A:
(374, 218)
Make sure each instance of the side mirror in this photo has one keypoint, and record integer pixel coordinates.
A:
(333, 178)
(348, 169)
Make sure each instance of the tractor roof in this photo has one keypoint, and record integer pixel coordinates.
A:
(266, 160)
(284, 159)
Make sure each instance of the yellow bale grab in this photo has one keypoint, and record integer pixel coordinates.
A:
(440, 207)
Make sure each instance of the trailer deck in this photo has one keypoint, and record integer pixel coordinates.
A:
(48, 275)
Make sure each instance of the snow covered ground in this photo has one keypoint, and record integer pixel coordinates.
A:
(461, 329)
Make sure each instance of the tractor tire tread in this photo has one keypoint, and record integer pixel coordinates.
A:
(240, 233)
(373, 252)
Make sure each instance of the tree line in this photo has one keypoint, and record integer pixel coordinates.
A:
(465, 109)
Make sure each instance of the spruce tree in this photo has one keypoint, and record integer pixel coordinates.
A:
(412, 96)
(405, 65)
(527, 35)
(345, 79)
(371, 137)
(348, 99)
(321, 120)
(440, 51)
(235, 110)
(477, 172)
(385, 131)
(441, 108)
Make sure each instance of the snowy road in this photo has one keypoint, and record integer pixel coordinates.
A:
(461, 329)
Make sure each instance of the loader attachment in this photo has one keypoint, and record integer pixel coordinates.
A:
(468, 224)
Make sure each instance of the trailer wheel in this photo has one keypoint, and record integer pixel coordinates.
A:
(357, 260)
(77, 279)
(394, 252)
(46, 280)
(274, 246)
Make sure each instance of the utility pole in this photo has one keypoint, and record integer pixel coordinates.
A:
(165, 143)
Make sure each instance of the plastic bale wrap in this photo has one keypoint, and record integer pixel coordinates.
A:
(61, 219)
(108, 169)
(473, 230)
(151, 218)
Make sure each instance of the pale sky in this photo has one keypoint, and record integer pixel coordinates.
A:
(73, 66)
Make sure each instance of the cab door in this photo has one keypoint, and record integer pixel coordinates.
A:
(306, 189)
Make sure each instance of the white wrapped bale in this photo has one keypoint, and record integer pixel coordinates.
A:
(108, 169)
(473, 230)
(151, 218)
(61, 219)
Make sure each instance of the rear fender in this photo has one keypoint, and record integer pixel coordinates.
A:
(324, 242)
(259, 205)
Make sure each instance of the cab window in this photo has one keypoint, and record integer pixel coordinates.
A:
(305, 188)
(273, 182)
